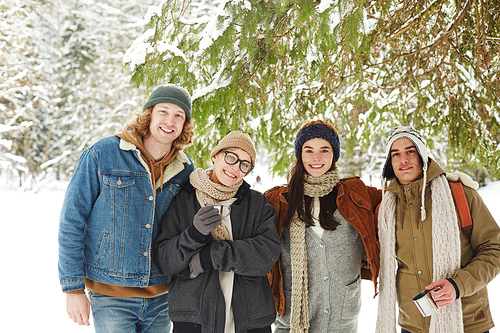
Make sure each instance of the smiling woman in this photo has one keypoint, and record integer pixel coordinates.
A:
(317, 156)
(328, 239)
(218, 240)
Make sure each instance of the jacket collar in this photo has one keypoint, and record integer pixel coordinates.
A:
(172, 169)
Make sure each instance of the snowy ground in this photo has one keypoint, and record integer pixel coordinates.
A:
(32, 296)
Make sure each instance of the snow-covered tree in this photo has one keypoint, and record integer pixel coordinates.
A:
(266, 67)
(62, 80)
(21, 76)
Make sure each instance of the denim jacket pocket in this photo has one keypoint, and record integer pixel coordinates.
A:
(118, 188)
(102, 246)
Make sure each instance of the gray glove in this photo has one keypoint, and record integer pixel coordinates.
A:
(207, 219)
(195, 266)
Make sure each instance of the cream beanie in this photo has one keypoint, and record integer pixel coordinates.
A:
(236, 139)
(418, 140)
(414, 136)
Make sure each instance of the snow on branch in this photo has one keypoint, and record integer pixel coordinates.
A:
(212, 86)
(417, 19)
(136, 54)
(55, 160)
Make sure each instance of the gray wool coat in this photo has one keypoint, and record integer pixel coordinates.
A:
(252, 253)
(334, 282)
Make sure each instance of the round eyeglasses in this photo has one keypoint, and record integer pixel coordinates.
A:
(231, 159)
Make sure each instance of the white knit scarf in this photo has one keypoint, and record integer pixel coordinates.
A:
(446, 258)
(208, 192)
(299, 313)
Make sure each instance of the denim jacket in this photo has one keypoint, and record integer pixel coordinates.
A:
(110, 216)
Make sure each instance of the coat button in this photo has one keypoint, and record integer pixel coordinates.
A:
(407, 188)
(351, 218)
(411, 205)
(150, 198)
(419, 272)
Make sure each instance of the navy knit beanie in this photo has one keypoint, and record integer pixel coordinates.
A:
(321, 130)
(170, 93)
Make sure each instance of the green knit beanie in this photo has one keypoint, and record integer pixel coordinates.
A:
(170, 93)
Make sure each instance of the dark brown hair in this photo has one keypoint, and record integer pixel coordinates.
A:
(301, 204)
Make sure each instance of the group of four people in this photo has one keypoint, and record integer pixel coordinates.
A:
(156, 242)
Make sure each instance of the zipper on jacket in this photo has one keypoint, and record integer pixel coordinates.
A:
(402, 207)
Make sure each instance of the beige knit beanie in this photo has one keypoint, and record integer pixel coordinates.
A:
(236, 139)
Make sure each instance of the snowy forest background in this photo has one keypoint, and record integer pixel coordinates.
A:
(72, 71)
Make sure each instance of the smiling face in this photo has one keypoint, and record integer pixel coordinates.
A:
(406, 161)
(167, 121)
(317, 156)
(226, 174)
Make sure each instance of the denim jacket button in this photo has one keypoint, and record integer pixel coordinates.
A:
(150, 198)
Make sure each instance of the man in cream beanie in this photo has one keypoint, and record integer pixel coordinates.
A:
(421, 240)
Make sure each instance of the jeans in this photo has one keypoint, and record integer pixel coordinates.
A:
(130, 315)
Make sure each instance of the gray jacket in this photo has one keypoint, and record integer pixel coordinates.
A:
(334, 281)
(252, 253)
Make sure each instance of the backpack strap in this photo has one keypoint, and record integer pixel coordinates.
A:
(462, 206)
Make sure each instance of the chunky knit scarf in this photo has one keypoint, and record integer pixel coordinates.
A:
(313, 187)
(445, 251)
(208, 192)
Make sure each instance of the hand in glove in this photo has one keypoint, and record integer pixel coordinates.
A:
(463, 178)
(207, 219)
(195, 266)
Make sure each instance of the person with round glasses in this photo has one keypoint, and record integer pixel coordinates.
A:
(231, 159)
(218, 240)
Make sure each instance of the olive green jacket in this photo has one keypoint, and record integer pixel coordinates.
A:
(480, 257)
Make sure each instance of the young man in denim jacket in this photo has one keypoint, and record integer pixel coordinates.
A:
(121, 188)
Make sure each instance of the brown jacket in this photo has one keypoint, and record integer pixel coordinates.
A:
(356, 202)
(480, 258)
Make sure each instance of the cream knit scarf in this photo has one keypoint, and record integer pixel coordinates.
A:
(445, 251)
(208, 192)
(313, 187)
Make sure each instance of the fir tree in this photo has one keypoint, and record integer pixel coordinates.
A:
(266, 67)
